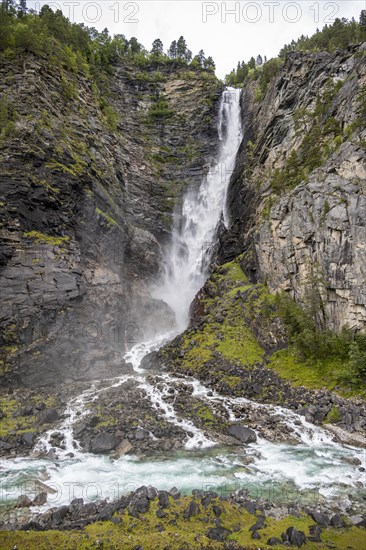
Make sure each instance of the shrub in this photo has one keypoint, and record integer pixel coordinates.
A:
(333, 416)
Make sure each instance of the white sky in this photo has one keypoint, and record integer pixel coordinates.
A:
(252, 27)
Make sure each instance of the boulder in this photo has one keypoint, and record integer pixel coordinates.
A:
(242, 433)
(273, 541)
(47, 416)
(218, 533)
(337, 521)
(40, 499)
(23, 501)
(164, 499)
(104, 442)
(192, 510)
(320, 518)
(296, 538)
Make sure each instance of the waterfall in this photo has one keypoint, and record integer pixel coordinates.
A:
(314, 468)
(194, 229)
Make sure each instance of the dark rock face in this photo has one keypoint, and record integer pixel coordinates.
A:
(85, 211)
(243, 434)
(319, 225)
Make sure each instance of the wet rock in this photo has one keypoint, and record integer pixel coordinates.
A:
(150, 361)
(28, 439)
(140, 434)
(351, 460)
(59, 515)
(151, 492)
(217, 510)
(76, 507)
(175, 493)
(48, 416)
(104, 442)
(242, 433)
(40, 499)
(23, 501)
(138, 506)
(106, 513)
(259, 524)
(208, 497)
(123, 448)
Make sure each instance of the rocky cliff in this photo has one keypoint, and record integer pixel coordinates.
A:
(297, 197)
(92, 171)
(290, 271)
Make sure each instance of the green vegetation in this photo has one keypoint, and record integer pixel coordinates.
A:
(12, 424)
(224, 331)
(177, 532)
(319, 358)
(337, 36)
(262, 73)
(8, 117)
(15, 425)
(107, 217)
(44, 183)
(39, 237)
(235, 316)
(322, 135)
(159, 111)
(333, 416)
(77, 48)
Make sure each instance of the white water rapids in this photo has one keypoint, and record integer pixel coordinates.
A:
(313, 469)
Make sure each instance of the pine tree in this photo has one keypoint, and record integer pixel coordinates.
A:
(201, 58)
(259, 61)
(251, 63)
(135, 46)
(22, 8)
(172, 52)
(157, 48)
(181, 48)
(209, 64)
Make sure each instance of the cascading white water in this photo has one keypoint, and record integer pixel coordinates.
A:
(75, 474)
(194, 229)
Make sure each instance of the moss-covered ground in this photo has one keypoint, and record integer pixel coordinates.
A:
(244, 324)
(15, 421)
(177, 532)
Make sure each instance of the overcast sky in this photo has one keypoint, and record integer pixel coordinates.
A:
(228, 31)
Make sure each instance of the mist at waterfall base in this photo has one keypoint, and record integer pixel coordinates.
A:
(308, 472)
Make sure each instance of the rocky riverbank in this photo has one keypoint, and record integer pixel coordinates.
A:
(148, 518)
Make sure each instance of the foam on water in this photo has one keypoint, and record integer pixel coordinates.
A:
(314, 464)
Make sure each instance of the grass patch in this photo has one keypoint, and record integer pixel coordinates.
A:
(326, 373)
(39, 237)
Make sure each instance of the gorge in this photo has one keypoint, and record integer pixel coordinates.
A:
(172, 252)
